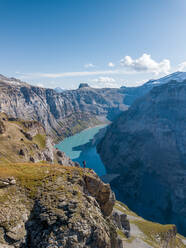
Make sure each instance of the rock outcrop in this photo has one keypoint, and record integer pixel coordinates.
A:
(102, 193)
(146, 147)
(83, 85)
(55, 206)
(121, 222)
(49, 206)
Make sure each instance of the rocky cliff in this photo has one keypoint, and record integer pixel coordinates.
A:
(49, 206)
(64, 113)
(145, 148)
(55, 206)
(61, 114)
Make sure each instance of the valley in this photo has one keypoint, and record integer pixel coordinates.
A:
(28, 143)
(80, 147)
(92, 124)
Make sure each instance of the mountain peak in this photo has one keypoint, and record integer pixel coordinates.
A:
(12, 81)
(178, 76)
(84, 85)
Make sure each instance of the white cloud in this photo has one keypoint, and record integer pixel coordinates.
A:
(182, 66)
(40, 85)
(105, 82)
(110, 64)
(146, 64)
(70, 74)
(89, 65)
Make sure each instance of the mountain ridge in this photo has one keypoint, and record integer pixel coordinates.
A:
(57, 205)
(145, 146)
(62, 114)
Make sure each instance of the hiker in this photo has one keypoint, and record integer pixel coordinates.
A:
(84, 164)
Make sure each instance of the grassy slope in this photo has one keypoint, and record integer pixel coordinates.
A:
(47, 183)
(12, 140)
(31, 175)
(149, 233)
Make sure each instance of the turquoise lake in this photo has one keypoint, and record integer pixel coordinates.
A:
(79, 148)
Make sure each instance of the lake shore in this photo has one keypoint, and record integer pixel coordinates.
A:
(79, 148)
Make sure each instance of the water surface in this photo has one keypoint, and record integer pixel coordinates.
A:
(79, 148)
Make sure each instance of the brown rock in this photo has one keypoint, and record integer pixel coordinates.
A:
(102, 192)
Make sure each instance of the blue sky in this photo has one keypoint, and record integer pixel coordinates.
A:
(102, 42)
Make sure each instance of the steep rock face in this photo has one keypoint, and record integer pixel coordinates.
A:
(60, 113)
(146, 147)
(64, 113)
(54, 206)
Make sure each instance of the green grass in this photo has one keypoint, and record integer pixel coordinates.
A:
(31, 176)
(123, 208)
(121, 234)
(40, 140)
(13, 140)
(155, 233)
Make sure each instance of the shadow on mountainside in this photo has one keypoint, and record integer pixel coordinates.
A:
(89, 154)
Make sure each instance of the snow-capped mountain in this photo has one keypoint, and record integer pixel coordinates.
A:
(132, 93)
(11, 81)
(178, 76)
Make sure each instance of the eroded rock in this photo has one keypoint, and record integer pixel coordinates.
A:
(62, 212)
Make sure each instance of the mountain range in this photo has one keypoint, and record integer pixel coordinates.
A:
(46, 200)
(65, 113)
(62, 114)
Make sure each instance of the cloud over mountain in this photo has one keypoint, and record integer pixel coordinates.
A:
(104, 82)
(146, 64)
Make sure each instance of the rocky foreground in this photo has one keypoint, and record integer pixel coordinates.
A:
(53, 206)
(56, 206)
(145, 149)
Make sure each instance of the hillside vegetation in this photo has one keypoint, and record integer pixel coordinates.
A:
(145, 234)
(27, 141)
